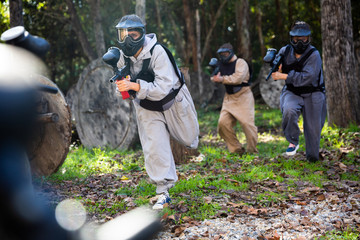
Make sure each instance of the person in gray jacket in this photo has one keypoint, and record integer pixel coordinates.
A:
(163, 103)
(303, 93)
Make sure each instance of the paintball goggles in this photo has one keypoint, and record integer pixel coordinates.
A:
(214, 64)
(274, 60)
(111, 57)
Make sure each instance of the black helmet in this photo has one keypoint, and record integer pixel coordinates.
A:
(128, 23)
(300, 29)
(227, 47)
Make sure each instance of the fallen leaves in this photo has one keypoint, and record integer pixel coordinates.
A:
(290, 199)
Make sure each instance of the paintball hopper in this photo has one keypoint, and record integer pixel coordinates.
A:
(213, 62)
(270, 55)
(19, 37)
(112, 56)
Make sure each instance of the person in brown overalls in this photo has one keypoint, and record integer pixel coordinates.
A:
(238, 104)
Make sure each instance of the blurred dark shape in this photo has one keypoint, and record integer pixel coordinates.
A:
(18, 36)
(23, 214)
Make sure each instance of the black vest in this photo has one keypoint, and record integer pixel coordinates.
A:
(148, 75)
(229, 69)
(297, 66)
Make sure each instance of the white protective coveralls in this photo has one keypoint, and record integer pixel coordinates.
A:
(178, 120)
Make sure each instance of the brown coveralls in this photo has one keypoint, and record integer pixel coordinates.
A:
(239, 107)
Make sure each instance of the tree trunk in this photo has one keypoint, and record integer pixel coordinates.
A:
(198, 48)
(190, 33)
(258, 14)
(181, 153)
(48, 150)
(158, 20)
(291, 11)
(242, 24)
(279, 24)
(209, 34)
(140, 9)
(99, 33)
(357, 61)
(16, 9)
(179, 40)
(339, 62)
(79, 31)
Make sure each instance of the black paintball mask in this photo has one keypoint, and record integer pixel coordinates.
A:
(300, 29)
(225, 59)
(127, 28)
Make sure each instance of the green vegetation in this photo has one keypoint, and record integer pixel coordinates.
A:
(338, 235)
(262, 179)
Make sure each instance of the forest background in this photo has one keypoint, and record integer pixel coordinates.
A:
(80, 31)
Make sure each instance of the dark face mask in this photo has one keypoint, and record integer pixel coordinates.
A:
(130, 46)
(225, 59)
(300, 46)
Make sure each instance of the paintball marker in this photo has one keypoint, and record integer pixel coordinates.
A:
(111, 57)
(274, 60)
(214, 64)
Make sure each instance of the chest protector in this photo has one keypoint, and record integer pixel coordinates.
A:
(229, 69)
(147, 75)
(297, 66)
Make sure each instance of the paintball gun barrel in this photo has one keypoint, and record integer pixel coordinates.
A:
(274, 60)
(111, 57)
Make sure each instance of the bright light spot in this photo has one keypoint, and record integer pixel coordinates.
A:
(230, 29)
(128, 225)
(70, 214)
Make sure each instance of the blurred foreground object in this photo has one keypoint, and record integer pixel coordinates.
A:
(22, 215)
(18, 36)
(138, 224)
(50, 145)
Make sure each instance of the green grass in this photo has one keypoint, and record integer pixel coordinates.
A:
(348, 234)
(82, 163)
(221, 172)
(267, 117)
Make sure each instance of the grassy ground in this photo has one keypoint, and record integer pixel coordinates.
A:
(111, 182)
